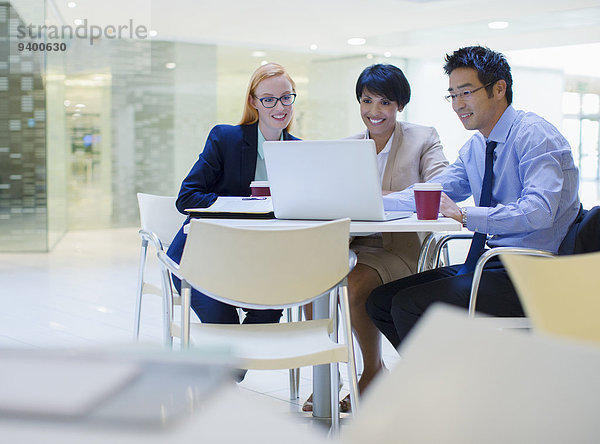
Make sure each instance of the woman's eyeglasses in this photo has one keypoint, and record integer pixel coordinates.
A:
(270, 102)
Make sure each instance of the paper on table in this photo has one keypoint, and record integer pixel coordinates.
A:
(63, 387)
(234, 204)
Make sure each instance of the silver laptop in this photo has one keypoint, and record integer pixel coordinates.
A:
(326, 179)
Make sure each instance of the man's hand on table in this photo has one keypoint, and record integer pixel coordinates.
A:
(449, 209)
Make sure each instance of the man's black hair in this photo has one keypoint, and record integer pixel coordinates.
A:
(491, 66)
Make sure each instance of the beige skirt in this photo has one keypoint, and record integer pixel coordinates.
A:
(389, 265)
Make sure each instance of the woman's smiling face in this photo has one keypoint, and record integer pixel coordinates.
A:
(273, 120)
(378, 113)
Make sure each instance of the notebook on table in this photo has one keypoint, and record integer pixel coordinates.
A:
(326, 179)
(233, 207)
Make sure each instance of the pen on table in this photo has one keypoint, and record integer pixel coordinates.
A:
(254, 198)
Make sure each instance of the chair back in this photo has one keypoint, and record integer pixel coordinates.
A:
(559, 295)
(159, 215)
(584, 234)
(265, 267)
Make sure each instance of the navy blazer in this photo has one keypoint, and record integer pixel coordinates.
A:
(225, 167)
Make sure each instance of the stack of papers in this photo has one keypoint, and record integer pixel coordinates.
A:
(233, 207)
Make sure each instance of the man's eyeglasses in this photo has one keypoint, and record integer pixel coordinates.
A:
(466, 94)
(270, 102)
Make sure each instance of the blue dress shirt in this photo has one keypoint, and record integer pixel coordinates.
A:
(535, 193)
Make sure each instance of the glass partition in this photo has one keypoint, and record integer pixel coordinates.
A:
(24, 161)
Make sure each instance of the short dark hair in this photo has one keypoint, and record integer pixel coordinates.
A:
(384, 80)
(491, 66)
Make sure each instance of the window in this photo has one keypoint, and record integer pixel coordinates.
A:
(581, 127)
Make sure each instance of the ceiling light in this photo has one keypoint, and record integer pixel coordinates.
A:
(78, 22)
(153, 33)
(355, 41)
(72, 4)
(369, 56)
(67, 102)
(498, 25)
(258, 53)
(387, 54)
(313, 47)
(80, 105)
(264, 62)
(170, 65)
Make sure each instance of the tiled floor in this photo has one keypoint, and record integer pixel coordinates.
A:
(82, 294)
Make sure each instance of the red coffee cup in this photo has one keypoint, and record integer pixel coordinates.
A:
(427, 200)
(260, 188)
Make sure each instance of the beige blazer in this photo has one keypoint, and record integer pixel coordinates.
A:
(416, 156)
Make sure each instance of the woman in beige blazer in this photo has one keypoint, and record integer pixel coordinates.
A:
(406, 154)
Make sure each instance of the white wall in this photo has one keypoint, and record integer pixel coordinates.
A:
(427, 106)
(540, 91)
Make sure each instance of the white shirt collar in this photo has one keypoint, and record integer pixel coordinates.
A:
(388, 146)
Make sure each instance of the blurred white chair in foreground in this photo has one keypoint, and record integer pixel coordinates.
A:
(160, 221)
(463, 382)
(560, 296)
(272, 268)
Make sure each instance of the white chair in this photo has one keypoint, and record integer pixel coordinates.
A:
(582, 237)
(560, 296)
(160, 221)
(431, 252)
(272, 268)
(435, 245)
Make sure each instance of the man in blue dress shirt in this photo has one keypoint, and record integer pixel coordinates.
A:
(528, 197)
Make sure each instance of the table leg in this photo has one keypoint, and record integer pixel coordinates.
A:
(321, 373)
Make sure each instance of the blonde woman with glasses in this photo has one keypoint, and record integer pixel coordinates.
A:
(231, 159)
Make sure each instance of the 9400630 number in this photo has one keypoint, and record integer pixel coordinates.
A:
(45, 47)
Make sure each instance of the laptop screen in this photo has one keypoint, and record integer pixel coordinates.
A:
(324, 179)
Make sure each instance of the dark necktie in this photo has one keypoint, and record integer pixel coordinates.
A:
(478, 242)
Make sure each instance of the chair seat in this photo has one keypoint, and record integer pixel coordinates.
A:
(273, 346)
